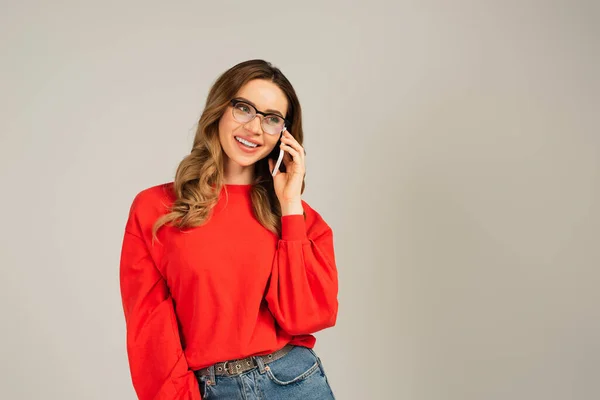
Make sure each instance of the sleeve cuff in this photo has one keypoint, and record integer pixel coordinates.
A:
(293, 227)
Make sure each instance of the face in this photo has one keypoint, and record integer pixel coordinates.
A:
(266, 97)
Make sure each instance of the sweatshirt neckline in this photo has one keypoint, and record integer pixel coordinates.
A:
(237, 188)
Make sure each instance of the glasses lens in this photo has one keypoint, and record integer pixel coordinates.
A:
(272, 124)
(243, 112)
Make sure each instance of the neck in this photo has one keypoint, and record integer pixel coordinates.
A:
(235, 174)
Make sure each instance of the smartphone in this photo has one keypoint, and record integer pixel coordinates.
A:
(277, 155)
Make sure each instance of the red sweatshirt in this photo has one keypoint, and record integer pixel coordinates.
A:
(225, 290)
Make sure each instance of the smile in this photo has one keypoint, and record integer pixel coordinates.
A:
(245, 142)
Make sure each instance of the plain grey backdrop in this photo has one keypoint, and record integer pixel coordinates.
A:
(452, 146)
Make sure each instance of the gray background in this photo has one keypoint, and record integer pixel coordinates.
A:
(452, 147)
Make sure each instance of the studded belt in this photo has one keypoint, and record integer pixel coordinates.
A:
(235, 367)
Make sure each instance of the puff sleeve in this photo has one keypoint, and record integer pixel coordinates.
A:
(159, 370)
(303, 288)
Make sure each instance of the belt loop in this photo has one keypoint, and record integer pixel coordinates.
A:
(211, 372)
(260, 364)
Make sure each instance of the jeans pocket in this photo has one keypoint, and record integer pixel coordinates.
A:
(294, 367)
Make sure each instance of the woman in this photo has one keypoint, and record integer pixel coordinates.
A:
(226, 272)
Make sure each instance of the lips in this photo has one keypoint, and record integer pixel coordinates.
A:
(246, 149)
(248, 139)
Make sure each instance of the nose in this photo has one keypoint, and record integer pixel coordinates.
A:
(255, 125)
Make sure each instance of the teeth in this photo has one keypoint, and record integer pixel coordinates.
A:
(247, 143)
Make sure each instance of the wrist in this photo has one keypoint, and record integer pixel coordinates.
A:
(292, 208)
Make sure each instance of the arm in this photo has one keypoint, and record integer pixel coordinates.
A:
(159, 370)
(303, 289)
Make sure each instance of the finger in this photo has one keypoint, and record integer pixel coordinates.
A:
(294, 143)
(288, 135)
(295, 155)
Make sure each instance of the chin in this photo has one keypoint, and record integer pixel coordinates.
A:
(246, 161)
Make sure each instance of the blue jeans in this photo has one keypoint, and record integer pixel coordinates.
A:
(297, 375)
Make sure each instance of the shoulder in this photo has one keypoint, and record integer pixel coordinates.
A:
(315, 223)
(309, 210)
(153, 198)
(149, 204)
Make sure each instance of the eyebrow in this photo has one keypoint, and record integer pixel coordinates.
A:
(266, 111)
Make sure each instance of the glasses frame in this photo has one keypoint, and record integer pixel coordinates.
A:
(235, 102)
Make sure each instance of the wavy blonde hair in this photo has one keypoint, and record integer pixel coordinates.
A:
(199, 177)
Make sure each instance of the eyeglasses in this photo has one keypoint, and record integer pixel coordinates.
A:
(245, 112)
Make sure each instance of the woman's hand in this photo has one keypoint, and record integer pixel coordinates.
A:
(288, 185)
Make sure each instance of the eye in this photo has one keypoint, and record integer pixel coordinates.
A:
(274, 120)
(243, 107)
